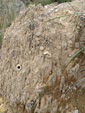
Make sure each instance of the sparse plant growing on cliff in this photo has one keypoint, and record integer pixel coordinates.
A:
(67, 63)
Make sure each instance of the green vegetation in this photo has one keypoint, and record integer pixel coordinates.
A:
(44, 2)
(64, 0)
(27, 2)
(76, 105)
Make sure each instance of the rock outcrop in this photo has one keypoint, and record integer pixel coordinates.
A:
(37, 43)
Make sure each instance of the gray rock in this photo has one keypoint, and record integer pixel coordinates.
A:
(11, 6)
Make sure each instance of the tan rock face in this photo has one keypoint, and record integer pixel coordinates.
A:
(33, 49)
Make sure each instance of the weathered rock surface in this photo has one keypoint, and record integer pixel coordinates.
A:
(34, 47)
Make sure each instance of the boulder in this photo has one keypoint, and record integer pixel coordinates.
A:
(35, 46)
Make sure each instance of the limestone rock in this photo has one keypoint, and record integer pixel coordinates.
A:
(25, 70)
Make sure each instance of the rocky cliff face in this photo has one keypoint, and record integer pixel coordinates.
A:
(38, 42)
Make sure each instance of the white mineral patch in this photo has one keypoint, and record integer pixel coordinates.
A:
(56, 10)
(47, 53)
(38, 34)
(58, 47)
(76, 111)
(46, 7)
(41, 48)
